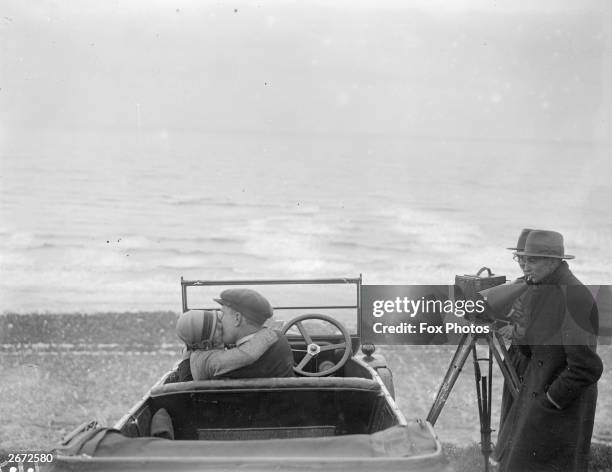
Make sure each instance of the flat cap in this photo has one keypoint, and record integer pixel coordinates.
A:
(253, 305)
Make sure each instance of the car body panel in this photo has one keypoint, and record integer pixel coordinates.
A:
(348, 421)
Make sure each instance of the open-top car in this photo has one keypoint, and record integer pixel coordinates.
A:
(337, 413)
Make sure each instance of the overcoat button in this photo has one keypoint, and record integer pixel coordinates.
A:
(534, 394)
(540, 363)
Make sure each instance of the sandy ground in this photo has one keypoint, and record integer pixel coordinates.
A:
(51, 383)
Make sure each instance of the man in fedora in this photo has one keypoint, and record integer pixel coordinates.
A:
(258, 351)
(549, 425)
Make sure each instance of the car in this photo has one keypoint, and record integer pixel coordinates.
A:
(337, 413)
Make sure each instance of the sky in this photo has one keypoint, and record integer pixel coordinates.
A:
(517, 70)
(460, 121)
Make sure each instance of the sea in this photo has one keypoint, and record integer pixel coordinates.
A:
(110, 219)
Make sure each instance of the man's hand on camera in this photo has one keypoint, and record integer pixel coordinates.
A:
(507, 332)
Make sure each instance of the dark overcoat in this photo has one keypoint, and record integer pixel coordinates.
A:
(518, 313)
(560, 341)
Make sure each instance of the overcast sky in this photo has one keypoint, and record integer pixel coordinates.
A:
(477, 69)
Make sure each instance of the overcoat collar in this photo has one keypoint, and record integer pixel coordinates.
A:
(555, 277)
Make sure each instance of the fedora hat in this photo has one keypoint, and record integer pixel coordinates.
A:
(520, 244)
(544, 244)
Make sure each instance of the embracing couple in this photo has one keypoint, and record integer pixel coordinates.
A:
(232, 342)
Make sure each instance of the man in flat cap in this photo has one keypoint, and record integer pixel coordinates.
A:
(259, 351)
(549, 425)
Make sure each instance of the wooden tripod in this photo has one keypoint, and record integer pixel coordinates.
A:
(496, 350)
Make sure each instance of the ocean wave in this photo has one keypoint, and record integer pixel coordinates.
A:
(21, 240)
(352, 245)
(201, 253)
(31, 240)
(198, 200)
(187, 200)
(198, 240)
(33, 245)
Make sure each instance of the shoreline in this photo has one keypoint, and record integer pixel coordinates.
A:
(146, 329)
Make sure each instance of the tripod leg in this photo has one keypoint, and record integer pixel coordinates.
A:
(490, 397)
(454, 369)
(483, 391)
(502, 357)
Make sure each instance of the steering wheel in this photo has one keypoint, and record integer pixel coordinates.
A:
(313, 349)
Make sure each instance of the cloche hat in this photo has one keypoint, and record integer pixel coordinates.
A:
(196, 328)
